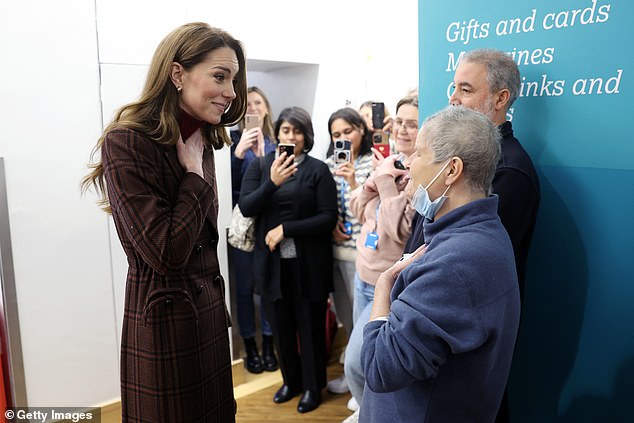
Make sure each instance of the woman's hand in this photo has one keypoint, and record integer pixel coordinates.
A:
(274, 237)
(386, 167)
(251, 139)
(388, 122)
(377, 158)
(385, 283)
(370, 185)
(347, 171)
(282, 168)
(190, 153)
(339, 233)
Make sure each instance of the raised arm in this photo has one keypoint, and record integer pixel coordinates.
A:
(162, 230)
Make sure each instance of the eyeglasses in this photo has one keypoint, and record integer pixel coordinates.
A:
(410, 124)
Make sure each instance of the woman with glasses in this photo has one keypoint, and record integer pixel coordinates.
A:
(384, 210)
(350, 161)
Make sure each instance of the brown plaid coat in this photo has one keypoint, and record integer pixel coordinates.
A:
(175, 362)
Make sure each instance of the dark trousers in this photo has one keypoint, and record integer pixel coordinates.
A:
(299, 331)
(242, 266)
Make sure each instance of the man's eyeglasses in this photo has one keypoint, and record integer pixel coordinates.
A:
(409, 124)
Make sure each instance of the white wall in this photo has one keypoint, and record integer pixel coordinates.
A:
(50, 113)
(68, 65)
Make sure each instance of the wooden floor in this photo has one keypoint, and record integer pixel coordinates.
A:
(258, 406)
(255, 402)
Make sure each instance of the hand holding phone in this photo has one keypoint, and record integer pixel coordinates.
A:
(289, 149)
(283, 167)
(399, 164)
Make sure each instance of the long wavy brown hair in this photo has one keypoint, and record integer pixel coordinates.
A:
(155, 113)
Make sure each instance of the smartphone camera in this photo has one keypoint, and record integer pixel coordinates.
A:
(399, 164)
(380, 142)
(288, 148)
(342, 151)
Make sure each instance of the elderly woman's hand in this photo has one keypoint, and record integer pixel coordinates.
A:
(385, 283)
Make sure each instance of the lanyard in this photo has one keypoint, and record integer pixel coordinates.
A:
(376, 222)
(342, 193)
(344, 186)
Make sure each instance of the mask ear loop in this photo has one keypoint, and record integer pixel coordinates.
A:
(437, 175)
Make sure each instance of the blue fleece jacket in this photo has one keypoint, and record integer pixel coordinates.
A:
(444, 353)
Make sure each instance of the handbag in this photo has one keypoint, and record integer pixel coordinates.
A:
(241, 233)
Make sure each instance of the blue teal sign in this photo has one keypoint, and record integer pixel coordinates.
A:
(575, 355)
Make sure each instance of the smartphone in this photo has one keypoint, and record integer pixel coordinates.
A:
(399, 165)
(288, 148)
(381, 141)
(342, 151)
(251, 121)
(378, 115)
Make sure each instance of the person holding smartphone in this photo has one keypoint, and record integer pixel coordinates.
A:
(439, 341)
(295, 201)
(383, 207)
(253, 138)
(350, 161)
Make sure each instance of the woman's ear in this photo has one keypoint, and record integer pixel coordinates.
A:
(176, 75)
(454, 170)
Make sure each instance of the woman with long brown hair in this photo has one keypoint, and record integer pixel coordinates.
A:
(156, 175)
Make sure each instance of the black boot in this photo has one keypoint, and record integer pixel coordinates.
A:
(253, 361)
(268, 354)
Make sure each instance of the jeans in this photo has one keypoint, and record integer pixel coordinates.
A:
(363, 295)
(242, 266)
(363, 300)
(343, 295)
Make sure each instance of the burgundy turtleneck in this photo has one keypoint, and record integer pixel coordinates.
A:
(188, 124)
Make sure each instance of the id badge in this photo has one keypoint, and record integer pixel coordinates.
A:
(372, 240)
(347, 228)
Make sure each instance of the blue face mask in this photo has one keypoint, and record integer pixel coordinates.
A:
(421, 202)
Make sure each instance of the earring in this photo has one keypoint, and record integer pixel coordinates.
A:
(179, 89)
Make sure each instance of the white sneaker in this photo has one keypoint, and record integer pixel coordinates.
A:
(353, 418)
(353, 405)
(339, 385)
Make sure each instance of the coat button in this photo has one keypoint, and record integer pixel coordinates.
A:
(168, 302)
(218, 279)
(200, 289)
(199, 248)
